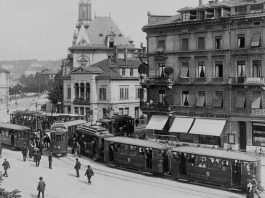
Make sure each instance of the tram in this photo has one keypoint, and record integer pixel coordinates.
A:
(227, 169)
(140, 155)
(92, 140)
(59, 140)
(119, 125)
(14, 136)
(32, 119)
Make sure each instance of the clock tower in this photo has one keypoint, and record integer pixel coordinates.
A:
(84, 17)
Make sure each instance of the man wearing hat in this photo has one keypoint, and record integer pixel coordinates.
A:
(77, 167)
(89, 173)
(41, 187)
(50, 160)
(6, 166)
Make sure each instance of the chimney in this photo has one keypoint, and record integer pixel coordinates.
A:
(115, 53)
(125, 54)
(200, 2)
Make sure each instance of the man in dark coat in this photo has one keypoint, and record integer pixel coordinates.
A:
(89, 173)
(77, 167)
(41, 187)
(6, 166)
(38, 158)
(50, 160)
(24, 152)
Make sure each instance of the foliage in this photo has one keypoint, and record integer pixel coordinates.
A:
(56, 93)
(6, 194)
(168, 70)
(143, 68)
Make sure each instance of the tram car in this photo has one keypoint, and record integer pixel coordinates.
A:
(14, 136)
(92, 140)
(141, 155)
(120, 125)
(59, 140)
(32, 119)
(227, 169)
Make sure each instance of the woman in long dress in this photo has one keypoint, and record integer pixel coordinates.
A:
(250, 193)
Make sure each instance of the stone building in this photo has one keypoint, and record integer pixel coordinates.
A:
(215, 96)
(100, 74)
(4, 85)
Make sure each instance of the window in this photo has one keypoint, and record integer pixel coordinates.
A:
(218, 42)
(104, 111)
(184, 73)
(201, 69)
(120, 111)
(111, 43)
(256, 68)
(256, 6)
(68, 92)
(69, 109)
(131, 72)
(102, 93)
(218, 100)
(185, 16)
(241, 99)
(218, 69)
(185, 98)
(201, 99)
(76, 110)
(82, 111)
(161, 94)
(201, 15)
(126, 111)
(255, 41)
(185, 44)
(161, 45)
(241, 41)
(200, 43)
(137, 92)
(256, 99)
(124, 93)
(123, 72)
(240, 9)
(241, 69)
(161, 67)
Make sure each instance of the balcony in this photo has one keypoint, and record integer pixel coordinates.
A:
(255, 81)
(194, 111)
(81, 101)
(146, 82)
(154, 107)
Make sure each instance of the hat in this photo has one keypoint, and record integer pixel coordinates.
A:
(76, 159)
(40, 178)
(88, 165)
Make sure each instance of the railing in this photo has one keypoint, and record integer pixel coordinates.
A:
(81, 101)
(247, 80)
(146, 106)
(156, 80)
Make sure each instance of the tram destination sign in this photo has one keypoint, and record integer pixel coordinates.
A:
(258, 134)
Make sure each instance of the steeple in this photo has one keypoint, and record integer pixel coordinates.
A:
(84, 16)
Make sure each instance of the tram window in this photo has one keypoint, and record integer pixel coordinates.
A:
(225, 165)
(246, 167)
(141, 151)
(58, 137)
(191, 159)
(124, 149)
(255, 164)
(117, 147)
(133, 150)
(200, 162)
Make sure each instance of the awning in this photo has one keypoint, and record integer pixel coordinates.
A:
(200, 101)
(255, 42)
(184, 72)
(208, 127)
(181, 125)
(256, 98)
(240, 100)
(157, 122)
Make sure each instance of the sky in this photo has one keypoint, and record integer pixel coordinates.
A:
(43, 29)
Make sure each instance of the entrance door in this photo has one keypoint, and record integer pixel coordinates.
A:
(242, 136)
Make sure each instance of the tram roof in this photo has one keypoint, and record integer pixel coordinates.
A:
(138, 142)
(27, 112)
(70, 123)
(62, 114)
(14, 127)
(95, 130)
(216, 153)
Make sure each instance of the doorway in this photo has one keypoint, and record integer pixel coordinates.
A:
(242, 136)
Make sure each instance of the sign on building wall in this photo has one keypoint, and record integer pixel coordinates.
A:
(258, 134)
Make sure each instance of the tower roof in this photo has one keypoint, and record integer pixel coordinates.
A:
(85, 1)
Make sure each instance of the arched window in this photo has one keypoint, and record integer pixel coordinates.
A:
(76, 90)
(87, 91)
(111, 42)
(82, 90)
(85, 12)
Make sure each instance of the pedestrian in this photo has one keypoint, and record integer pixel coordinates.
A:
(77, 167)
(250, 193)
(50, 160)
(41, 187)
(89, 173)
(255, 185)
(6, 166)
(78, 149)
(38, 158)
(24, 152)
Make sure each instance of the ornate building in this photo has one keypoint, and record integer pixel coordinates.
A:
(215, 96)
(100, 75)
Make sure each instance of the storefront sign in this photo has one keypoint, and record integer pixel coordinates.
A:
(258, 134)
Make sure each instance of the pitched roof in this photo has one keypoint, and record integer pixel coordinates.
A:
(87, 69)
(82, 38)
(101, 27)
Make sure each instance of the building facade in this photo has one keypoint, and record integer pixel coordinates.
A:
(100, 74)
(4, 85)
(215, 96)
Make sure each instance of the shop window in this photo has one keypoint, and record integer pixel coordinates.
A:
(219, 69)
(241, 41)
(185, 98)
(184, 73)
(256, 68)
(185, 44)
(201, 69)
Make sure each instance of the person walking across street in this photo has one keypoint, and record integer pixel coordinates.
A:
(6, 166)
(50, 160)
(41, 187)
(89, 173)
(38, 158)
(24, 152)
(77, 167)
(255, 186)
(250, 193)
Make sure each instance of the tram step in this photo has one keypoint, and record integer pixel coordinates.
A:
(183, 180)
(235, 189)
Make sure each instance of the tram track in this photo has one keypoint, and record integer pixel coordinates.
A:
(69, 164)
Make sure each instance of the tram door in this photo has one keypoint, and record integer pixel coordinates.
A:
(12, 139)
(106, 151)
(148, 159)
(236, 173)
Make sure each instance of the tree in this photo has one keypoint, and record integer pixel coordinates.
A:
(56, 93)
(168, 71)
(7, 194)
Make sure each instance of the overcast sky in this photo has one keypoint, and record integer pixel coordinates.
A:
(43, 29)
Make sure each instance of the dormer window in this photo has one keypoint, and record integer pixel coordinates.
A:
(186, 16)
(111, 43)
(256, 6)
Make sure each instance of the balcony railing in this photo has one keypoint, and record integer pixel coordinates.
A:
(81, 101)
(247, 80)
(146, 106)
(156, 80)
